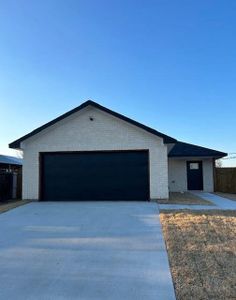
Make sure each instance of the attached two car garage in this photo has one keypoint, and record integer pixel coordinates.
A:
(93, 153)
(94, 175)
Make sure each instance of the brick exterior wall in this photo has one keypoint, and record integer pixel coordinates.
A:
(178, 174)
(105, 132)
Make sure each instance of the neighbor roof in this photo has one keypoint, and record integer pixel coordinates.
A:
(181, 149)
(10, 160)
(167, 139)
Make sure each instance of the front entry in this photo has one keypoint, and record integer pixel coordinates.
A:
(194, 175)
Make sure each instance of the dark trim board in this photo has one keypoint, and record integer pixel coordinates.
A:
(40, 180)
(119, 162)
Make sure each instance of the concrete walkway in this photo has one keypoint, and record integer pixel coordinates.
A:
(85, 251)
(219, 203)
(182, 206)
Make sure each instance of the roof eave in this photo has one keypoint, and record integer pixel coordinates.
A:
(216, 156)
(10, 163)
(15, 145)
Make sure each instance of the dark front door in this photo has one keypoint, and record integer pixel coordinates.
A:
(120, 175)
(194, 175)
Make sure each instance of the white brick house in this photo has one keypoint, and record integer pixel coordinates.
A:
(93, 153)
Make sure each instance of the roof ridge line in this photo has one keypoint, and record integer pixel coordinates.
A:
(167, 139)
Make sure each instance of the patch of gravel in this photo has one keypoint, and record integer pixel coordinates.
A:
(202, 253)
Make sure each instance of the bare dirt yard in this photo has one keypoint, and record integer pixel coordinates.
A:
(5, 206)
(226, 195)
(202, 253)
(184, 198)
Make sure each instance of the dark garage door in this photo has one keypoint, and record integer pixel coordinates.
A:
(95, 176)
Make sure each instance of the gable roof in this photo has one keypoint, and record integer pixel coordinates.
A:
(181, 149)
(167, 139)
(10, 160)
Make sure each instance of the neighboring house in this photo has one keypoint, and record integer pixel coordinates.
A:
(10, 177)
(93, 153)
(9, 164)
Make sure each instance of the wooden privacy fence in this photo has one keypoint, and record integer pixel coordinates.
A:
(225, 180)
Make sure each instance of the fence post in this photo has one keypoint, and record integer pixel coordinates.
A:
(14, 185)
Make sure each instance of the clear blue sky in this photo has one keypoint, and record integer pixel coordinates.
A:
(168, 64)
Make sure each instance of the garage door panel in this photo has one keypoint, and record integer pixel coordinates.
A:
(95, 176)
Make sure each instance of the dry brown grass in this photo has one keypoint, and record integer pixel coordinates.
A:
(184, 198)
(202, 252)
(226, 195)
(5, 206)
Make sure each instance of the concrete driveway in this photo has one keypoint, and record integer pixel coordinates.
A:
(83, 250)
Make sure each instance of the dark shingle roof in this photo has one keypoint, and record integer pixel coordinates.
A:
(10, 160)
(184, 149)
(167, 139)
